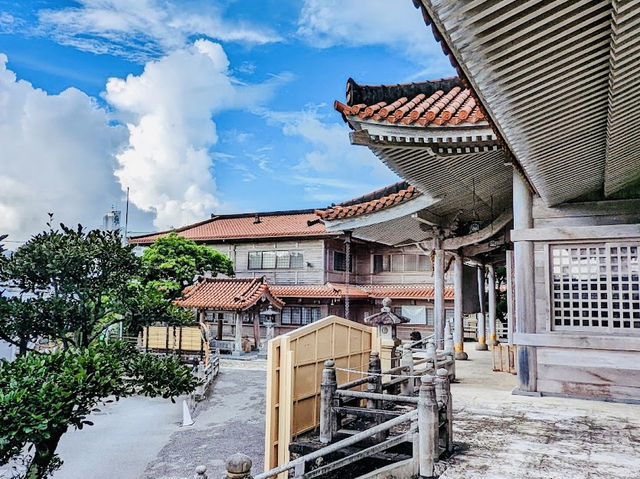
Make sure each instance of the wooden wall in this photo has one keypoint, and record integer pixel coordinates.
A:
(311, 273)
(590, 364)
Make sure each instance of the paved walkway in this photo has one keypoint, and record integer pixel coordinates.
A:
(232, 420)
(142, 438)
(502, 436)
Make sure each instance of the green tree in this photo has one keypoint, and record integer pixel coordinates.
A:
(42, 395)
(72, 285)
(172, 262)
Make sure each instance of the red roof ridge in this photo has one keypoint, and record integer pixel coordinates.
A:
(339, 211)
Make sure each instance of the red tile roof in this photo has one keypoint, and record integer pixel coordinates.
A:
(279, 224)
(356, 291)
(227, 294)
(439, 102)
(405, 291)
(340, 211)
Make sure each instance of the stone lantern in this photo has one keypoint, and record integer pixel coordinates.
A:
(269, 323)
(386, 322)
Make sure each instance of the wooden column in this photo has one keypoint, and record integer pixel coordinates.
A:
(493, 336)
(481, 316)
(511, 306)
(524, 283)
(438, 302)
(256, 328)
(458, 324)
(238, 334)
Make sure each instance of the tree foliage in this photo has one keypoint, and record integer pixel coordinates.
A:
(172, 262)
(72, 285)
(42, 395)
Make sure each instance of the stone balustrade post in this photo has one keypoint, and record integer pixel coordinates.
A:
(201, 473)
(443, 397)
(427, 427)
(432, 354)
(328, 387)
(406, 388)
(238, 467)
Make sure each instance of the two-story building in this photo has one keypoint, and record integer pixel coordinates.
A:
(316, 272)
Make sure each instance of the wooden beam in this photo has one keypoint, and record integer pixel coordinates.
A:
(589, 209)
(576, 233)
(479, 236)
(566, 339)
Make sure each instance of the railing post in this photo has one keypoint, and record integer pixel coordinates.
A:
(200, 473)
(328, 420)
(443, 396)
(432, 355)
(239, 466)
(428, 427)
(375, 384)
(406, 388)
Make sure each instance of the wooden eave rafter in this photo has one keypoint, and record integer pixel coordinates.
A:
(406, 208)
(550, 75)
(484, 234)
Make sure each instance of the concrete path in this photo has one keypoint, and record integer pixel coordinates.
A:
(231, 421)
(125, 435)
(142, 438)
(501, 436)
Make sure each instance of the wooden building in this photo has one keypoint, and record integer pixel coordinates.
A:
(306, 266)
(528, 159)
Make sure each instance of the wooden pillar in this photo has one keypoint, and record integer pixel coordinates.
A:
(511, 306)
(458, 321)
(493, 335)
(438, 302)
(524, 283)
(256, 329)
(238, 333)
(481, 316)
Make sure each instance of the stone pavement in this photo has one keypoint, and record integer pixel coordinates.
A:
(231, 420)
(502, 436)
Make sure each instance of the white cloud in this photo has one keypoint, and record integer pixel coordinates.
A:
(143, 29)
(395, 24)
(56, 155)
(169, 111)
(334, 170)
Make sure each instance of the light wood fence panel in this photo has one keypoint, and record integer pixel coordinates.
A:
(294, 373)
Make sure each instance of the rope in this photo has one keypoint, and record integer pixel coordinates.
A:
(363, 373)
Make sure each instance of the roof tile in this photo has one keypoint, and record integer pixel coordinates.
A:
(339, 212)
(245, 226)
(227, 294)
(453, 107)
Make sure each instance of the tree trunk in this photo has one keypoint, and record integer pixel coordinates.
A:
(44, 454)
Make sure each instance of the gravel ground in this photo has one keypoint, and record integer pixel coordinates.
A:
(230, 421)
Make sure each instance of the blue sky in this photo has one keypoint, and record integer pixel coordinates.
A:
(196, 106)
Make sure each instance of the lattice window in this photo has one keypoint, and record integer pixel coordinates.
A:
(596, 287)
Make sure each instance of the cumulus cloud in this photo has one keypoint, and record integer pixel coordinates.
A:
(56, 154)
(143, 29)
(327, 23)
(169, 112)
(333, 169)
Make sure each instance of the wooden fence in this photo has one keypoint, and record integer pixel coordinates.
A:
(294, 375)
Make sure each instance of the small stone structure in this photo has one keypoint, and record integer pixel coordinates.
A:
(387, 321)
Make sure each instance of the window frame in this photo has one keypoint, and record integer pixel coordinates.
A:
(276, 254)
